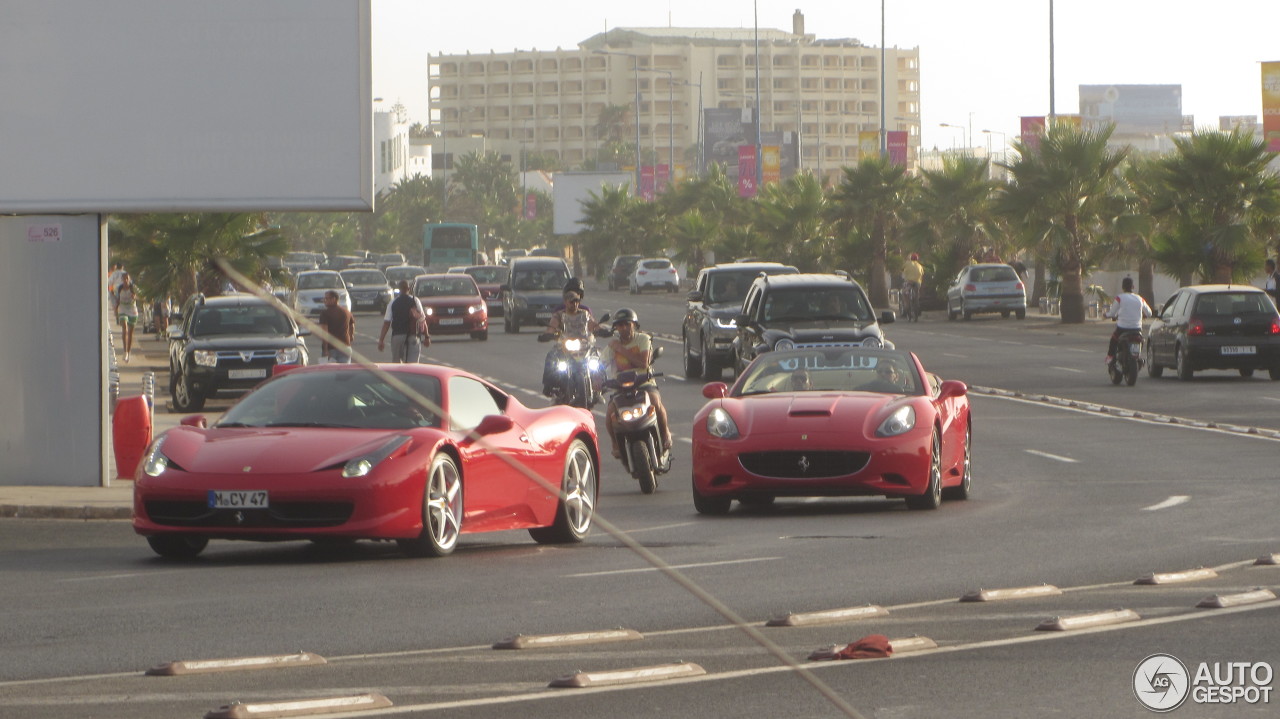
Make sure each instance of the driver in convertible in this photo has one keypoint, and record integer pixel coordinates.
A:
(890, 379)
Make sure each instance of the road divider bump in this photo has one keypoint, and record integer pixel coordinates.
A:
(658, 673)
(1267, 560)
(1223, 601)
(830, 616)
(207, 666)
(997, 595)
(305, 707)
(902, 645)
(1190, 575)
(536, 641)
(1086, 621)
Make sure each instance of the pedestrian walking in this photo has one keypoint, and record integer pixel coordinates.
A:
(113, 284)
(127, 311)
(338, 322)
(402, 319)
(1272, 285)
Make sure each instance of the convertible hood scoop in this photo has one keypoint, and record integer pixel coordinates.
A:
(811, 406)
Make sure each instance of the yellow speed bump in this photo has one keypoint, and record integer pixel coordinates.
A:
(1222, 601)
(536, 641)
(304, 707)
(658, 673)
(829, 616)
(1086, 621)
(996, 595)
(207, 666)
(1190, 575)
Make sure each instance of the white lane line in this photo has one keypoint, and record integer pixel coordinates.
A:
(1068, 369)
(685, 439)
(655, 529)
(1057, 457)
(639, 570)
(953, 354)
(1173, 501)
(1271, 399)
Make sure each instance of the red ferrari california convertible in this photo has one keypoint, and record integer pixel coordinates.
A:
(832, 422)
(340, 452)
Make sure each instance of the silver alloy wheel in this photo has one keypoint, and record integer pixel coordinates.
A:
(963, 490)
(579, 489)
(442, 510)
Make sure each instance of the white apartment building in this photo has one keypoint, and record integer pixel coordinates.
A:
(391, 152)
(826, 93)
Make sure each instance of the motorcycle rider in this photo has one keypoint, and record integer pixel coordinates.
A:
(631, 349)
(1127, 310)
(573, 321)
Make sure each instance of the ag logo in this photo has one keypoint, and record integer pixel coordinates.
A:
(1161, 682)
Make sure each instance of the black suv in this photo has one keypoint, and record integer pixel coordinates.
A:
(714, 304)
(227, 345)
(534, 288)
(788, 311)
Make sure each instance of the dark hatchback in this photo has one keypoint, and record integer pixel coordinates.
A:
(1228, 327)
(227, 345)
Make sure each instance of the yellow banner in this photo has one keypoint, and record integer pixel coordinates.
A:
(770, 164)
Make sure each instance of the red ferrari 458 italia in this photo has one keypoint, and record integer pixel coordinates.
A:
(832, 422)
(414, 453)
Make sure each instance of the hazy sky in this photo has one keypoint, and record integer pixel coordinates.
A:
(983, 63)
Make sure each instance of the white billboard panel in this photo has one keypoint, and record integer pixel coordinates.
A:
(185, 105)
(571, 189)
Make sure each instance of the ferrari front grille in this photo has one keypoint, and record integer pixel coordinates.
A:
(280, 515)
(803, 465)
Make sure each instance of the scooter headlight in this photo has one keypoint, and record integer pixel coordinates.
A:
(572, 345)
(562, 366)
(593, 364)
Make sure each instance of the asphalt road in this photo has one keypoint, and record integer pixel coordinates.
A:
(1158, 479)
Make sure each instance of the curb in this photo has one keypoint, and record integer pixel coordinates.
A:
(16, 511)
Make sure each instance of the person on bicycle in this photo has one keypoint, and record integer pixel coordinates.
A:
(632, 349)
(912, 277)
(1127, 310)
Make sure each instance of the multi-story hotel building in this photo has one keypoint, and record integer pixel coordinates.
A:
(824, 95)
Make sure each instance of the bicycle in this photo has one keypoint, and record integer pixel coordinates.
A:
(909, 302)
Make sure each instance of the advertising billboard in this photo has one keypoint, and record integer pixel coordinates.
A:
(1135, 109)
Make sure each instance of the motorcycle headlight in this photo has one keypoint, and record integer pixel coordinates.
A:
(572, 345)
(593, 364)
(205, 358)
(562, 366)
(784, 344)
(902, 420)
(364, 464)
(155, 463)
(721, 425)
(293, 355)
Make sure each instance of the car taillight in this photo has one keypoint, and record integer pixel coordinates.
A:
(970, 288)
(1019, 288)
(1195, 328)
(1275, 327)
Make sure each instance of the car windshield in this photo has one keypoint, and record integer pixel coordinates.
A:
(320, 281)
(344, 398)
(729, 287)
(396, 258)
(1231, 304)
(445, 287)
(396, 274)
(817, 303)
(487, 275)
(656, 264)
(364, 277)
(993, 274)
(833, 370)
(239, 320)
(542, 280)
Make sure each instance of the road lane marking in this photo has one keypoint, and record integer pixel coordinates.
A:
(655, 529)
(1173, 501)
(953, 354)
(1068, 369)
(1057, 457)
(1271, 399)
(640, 570)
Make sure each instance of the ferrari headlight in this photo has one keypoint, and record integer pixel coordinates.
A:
(721, 425)
(364, 464)
(205, 358)
(784, 344)
(155, 463)
(572, 345)
(902, 420)
(293, 355)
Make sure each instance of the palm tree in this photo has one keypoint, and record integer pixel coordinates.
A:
(1219, 203)
(1060, 194)
(871, 200)
(792, 217)
(954, 215)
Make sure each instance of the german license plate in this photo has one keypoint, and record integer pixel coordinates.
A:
(246, 373)
(1239, 350)
(453, 321)
(238, 499)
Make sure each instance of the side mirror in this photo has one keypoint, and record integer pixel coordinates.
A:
(198, 421)
(175, 332)
(953, 388)
(604, 319)
(887, 317)
(695, 296)
(304, 332)
(494, 424)
(657, 353)
(715, 390)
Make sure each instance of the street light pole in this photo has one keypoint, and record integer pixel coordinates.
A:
(759, 120)
(884, 137)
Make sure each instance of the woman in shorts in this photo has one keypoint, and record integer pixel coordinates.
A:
(127, 311)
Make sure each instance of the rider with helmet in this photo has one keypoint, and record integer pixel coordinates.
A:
(631, 349)
(571, 320)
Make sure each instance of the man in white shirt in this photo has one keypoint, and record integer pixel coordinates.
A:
(1127, 310)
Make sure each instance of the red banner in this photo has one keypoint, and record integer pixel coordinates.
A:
(531, 207)
(897, 145)
(746, 171)
(646, 182)
(1032, 131)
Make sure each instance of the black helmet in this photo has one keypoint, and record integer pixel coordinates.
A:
(575, 284)
(625, 315)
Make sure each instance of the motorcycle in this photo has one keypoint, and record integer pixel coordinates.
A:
(636, 423)
(1128, 358)
(576, 371)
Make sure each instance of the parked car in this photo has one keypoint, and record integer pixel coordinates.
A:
(490, 278)
(406, 273)
(832, 422)
(1231, 327)
(336, 452)
(226, 345)
(621, 269)
(987, 288)
(533, 289)
(710, 317)
(309, 289)
(654, 273)
(368, 288)
(453, 305)
(803, 311)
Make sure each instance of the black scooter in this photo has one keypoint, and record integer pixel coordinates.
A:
(635, 421)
